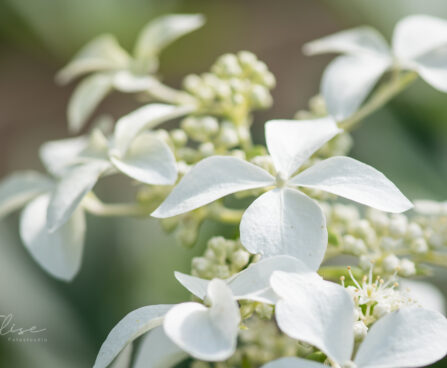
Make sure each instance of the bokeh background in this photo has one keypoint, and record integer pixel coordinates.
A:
(129, 263)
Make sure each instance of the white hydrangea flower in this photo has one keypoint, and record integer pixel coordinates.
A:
(52, 226)
(206, 333)
(322, 314)
(112, 67)
(419, 44)
(283, 220)
(253, 283)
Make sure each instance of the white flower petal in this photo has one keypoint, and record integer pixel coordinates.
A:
(56, 156)
(285, 221)
(409, 337)
(102, 53)
(361, 40)
(146, 117)
(124, 358)
(148, 160)
(127, 82)
(319, 313)
(195, 285)
(356, 181)
(160, 32)
(417, 35)
(128, 329)
(211, 179)
(432, 67)
(348, 80)
(427, 295)
(291, 142)
(19, 188)
(158, 351)
(60, 252)
(253, 283)
(86, 97)
(292, 362)
(70, 191)
(206, 334)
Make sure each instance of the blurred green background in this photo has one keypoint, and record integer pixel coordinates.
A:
(129, 263)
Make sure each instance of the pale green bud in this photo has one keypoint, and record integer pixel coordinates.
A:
(240, 259)
(419, 245)
(179, 137)
(407, 268)
(391, 263)
(206, 149)
(260, 97)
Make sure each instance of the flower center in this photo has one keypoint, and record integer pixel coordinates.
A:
(281, 180)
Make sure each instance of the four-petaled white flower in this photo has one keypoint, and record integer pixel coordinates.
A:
(321, 313)
(52, 226)
(206, 333)
(284, 220)
(419, 44)
(112, 67)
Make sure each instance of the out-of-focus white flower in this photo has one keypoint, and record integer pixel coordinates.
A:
(283, 220)
(321, 313)
(419, 44)
(112, 67)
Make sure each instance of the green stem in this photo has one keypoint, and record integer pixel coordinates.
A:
(383, 94)
(94, 205)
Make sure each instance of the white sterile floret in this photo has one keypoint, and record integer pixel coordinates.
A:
(322, 314)
(284, 220)
(112, 67)
(418, 45)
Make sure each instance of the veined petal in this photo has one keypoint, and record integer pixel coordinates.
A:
(285, 222)
(86, 97)
(148, 160)
(162, 31)
(211, 179)
(195, 285)
(124, 358)
(56, 156)
(417, 35)
(128, 329)
(432, 67)
(291, 142)
(206, 333)
(361, 40)
(158, 351)
(60, 252)
(409, 337)
(356, 181)
(426, 294)
(253, 283)
(320, 313)
(19, 188)
(146, 117)
(292, 362)
(70, 191)
(100, 54)
(348, 80)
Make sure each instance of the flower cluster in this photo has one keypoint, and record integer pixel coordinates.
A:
(272, 267)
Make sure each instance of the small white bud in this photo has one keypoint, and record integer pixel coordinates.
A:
(240, 259)
(228, 136)
(388, 244)
(192, 83)
(179, 137)
(391, 263)
(182, 167)
(407, 268)
(360, 330)
(419, 245)
(381, 309)
(206, 149)
(247, 58)
(414, 230)
(398, 225)
(210, 125)
(260, 97)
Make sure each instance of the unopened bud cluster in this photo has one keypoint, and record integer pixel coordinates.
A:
(222, 259)
(236, 83)
(393, 241)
